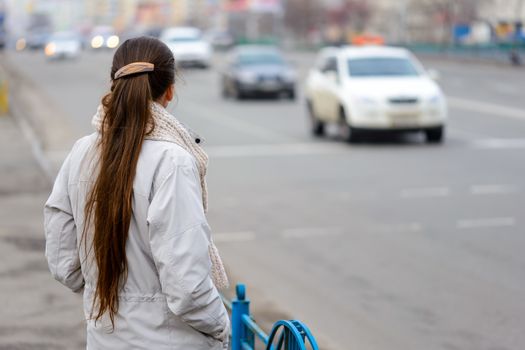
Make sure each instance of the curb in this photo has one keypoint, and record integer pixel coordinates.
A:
(36, 146)
(13, 110)
(43, 125)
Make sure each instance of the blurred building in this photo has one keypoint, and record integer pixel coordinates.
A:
(445, 21)
(122, 14)
(506, 17)
(422, 21)
(400, 21)
(502, 10)
(254, 19)
(403, 21)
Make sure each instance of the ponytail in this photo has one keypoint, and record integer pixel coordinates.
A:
(127, 120)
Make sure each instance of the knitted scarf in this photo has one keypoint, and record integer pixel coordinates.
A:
(168, 128)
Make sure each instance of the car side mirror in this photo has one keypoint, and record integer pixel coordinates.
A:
(332, 76)
(433, 74)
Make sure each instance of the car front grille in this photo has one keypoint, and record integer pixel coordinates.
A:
(403, 100)
(269, 78)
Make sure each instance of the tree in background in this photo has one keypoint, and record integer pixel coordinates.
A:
(302, 17)
(352, 14)
(331, 20)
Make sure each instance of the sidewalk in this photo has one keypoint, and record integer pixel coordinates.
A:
(37, 312)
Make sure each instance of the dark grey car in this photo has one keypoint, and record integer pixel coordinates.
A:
(258, 70)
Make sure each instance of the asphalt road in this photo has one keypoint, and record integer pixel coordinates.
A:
(391, 244)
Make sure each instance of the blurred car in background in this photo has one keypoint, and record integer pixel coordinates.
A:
(38, 31)
(366, 89)
(139, 31)
(63, 45)
(37, 38)
(153, 31)
(220, 40)
(3, 33)
(188, 46)
(104, 37)
(256, 70)
(3, 38)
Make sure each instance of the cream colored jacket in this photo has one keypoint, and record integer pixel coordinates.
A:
(168, 300)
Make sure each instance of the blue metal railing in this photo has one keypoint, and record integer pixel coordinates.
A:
(285, 335)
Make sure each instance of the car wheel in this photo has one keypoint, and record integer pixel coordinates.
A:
(346, 132)
(316, 126)
(435, 135)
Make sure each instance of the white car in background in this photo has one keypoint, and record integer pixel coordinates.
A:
(188, 46)
(63, 45)
(365, 89)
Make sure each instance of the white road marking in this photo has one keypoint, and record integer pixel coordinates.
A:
(499, 144)
(486, 107)
(290, 149)
(425, 192)
(492, 189)
(486, 223)
(311, 232)
(228, 237)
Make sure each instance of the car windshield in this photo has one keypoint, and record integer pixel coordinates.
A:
(255, 58)
(381, 67)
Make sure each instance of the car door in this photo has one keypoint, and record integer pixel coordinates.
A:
(331, 88)
(316, 86)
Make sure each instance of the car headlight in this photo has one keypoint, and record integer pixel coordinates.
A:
(50, 49)
(112, 41)
(20, 44)
(247, 77)
(434, 100)
(97, 42)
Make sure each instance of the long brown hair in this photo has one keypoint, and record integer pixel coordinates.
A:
(126, 122)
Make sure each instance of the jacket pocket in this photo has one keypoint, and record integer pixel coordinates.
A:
(215, 344)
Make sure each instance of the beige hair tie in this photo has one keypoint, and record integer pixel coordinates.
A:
(134, 68)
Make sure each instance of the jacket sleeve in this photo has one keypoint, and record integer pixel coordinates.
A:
(178, 233)
(61, 234)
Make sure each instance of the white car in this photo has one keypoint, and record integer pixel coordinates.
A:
(188, 46)
(375, 88)
(63, 45)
